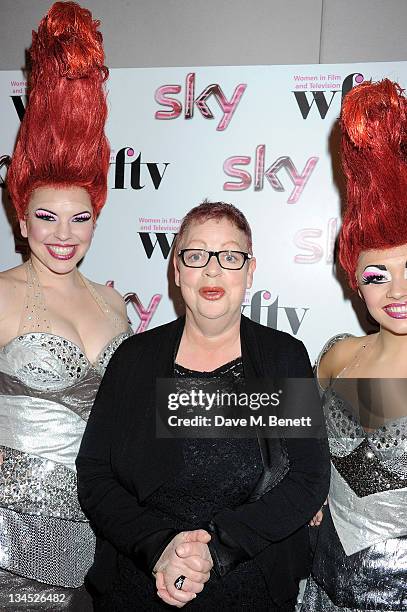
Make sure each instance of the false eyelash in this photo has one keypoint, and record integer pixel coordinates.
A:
(374, 278)
(80, 218)
(44, 215)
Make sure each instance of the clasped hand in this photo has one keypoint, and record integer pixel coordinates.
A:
(186, 555)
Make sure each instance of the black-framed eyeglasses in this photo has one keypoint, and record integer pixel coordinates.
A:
(199, 258)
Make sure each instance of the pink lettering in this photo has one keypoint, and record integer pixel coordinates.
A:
(145, 314)
(160, 96)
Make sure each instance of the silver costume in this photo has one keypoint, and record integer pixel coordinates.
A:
(360, 561)
(47, 388)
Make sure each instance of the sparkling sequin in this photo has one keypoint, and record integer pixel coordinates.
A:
(360, 560)
(47, 362)
(364, 472)
(35, 315)
(107, 353)
(33, 485)
(47, 549)
(316, 600)
(103, 305)
(47, 387)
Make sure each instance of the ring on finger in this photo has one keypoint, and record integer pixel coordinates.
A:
(179, 582)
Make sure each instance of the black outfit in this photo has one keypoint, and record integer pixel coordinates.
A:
(135, 486)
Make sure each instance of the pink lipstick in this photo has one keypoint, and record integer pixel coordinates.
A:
(61, 251)
(396, 310)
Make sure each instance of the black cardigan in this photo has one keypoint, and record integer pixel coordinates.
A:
(121, 462)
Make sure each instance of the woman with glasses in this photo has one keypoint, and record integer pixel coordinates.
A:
(212, 523)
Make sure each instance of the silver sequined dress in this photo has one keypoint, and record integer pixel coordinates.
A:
(360, 561)
(47, 388)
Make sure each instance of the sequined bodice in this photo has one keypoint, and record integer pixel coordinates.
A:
(47, 389)
(361, 556)
(45, 361)
(369, 461)
(368, 494)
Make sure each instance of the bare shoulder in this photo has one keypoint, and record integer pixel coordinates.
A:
(339, 356)
(13, 285)
(12, 282)
(112, 297)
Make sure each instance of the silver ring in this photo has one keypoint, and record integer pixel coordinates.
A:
(179, 582)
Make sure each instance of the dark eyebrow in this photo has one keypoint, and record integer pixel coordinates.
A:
(378, 266)
(83, 213)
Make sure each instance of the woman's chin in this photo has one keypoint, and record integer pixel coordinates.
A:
(58, 265)
(216, 313)
(398, 329)
(59, 268)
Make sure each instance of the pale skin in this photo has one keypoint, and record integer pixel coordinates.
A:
(387, 354)
(382, 284)
(60, 219)
(211, 338)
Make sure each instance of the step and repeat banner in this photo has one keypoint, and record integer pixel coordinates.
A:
(264, 138)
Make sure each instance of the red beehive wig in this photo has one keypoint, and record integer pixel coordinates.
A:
(61, 141)
(374, 148)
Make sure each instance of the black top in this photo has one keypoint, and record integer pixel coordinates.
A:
(217, 473)
(121, 464)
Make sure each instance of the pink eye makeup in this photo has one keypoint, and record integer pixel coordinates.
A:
(82, 217)
(45, 215)
(375, 275)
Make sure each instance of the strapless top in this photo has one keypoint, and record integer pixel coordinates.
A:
(47, 388)
(368, 493)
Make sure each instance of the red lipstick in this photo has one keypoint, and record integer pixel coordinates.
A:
(212, 293)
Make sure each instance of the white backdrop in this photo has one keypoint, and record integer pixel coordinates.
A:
(262, 137)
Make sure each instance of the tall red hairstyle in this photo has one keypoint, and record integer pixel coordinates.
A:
(61, 141)
(374, 158)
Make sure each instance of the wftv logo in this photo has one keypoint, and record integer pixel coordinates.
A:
(299, 179)
(161, 239)
(4, 164)
(319, 98)
(123, 160)
(228, 107)
(262, 310)
(145, 314)
(19, 105)
(132, 172)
